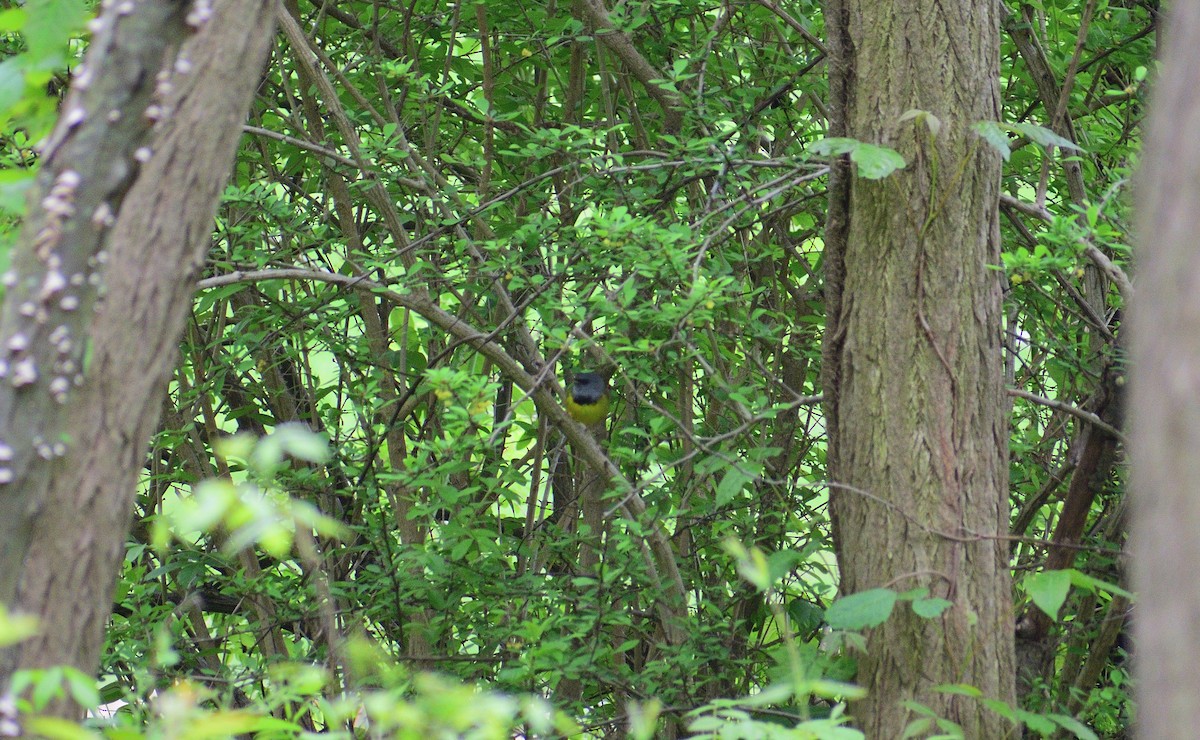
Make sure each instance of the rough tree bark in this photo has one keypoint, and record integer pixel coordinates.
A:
(1165, 408)
(913, 374)
(145, 251)
(87, 168)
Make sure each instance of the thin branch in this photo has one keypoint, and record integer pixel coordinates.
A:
(1098, 257)
(619, 43)
(1029, 209)
(795, 25)
(1111, 269)
(306, 145)
(1075, 411)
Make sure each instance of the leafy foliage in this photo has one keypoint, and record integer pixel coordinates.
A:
(498, 162)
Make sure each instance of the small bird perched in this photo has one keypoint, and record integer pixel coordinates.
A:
(587, 400)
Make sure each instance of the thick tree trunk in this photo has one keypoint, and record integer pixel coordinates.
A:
(87, 168)
(1165, 408)
(913, 372)
(153, 253)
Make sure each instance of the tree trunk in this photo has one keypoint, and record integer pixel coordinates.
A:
(154, 250)
(913, 372)
(87, 168)
(1165, 408)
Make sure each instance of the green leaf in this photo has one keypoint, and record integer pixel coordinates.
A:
(1001, 708)
(930, 608)
(1044, 136)
(994, 136)
(861, 610)
(876, 162)
(56, 728)
(46, 687)
(751, 563)
(460, 549)
(932, 122)
(824, 729)
(50, 26)
(643, 718)
(1036, 722)
(959, 689)
(14, 184)
(826, 689)
(12, 83)
(775, 693)
(834, 146)
(806, 616)
(82, 687)
(918, 708)
(1084, 581)
(228, 723)
(917, 728)
(15, 627)
(211, 500)
(1048, 590)
(705, 724)
(1074, 726)
(782, 562)
(732, 483)
(293, 439)
(12, 20)
(275, 537)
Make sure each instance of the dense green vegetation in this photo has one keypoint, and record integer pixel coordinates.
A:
(355, 509)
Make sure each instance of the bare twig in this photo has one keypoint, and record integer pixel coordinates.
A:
(1075, 411)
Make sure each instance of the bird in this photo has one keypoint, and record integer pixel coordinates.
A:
(588, 400)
